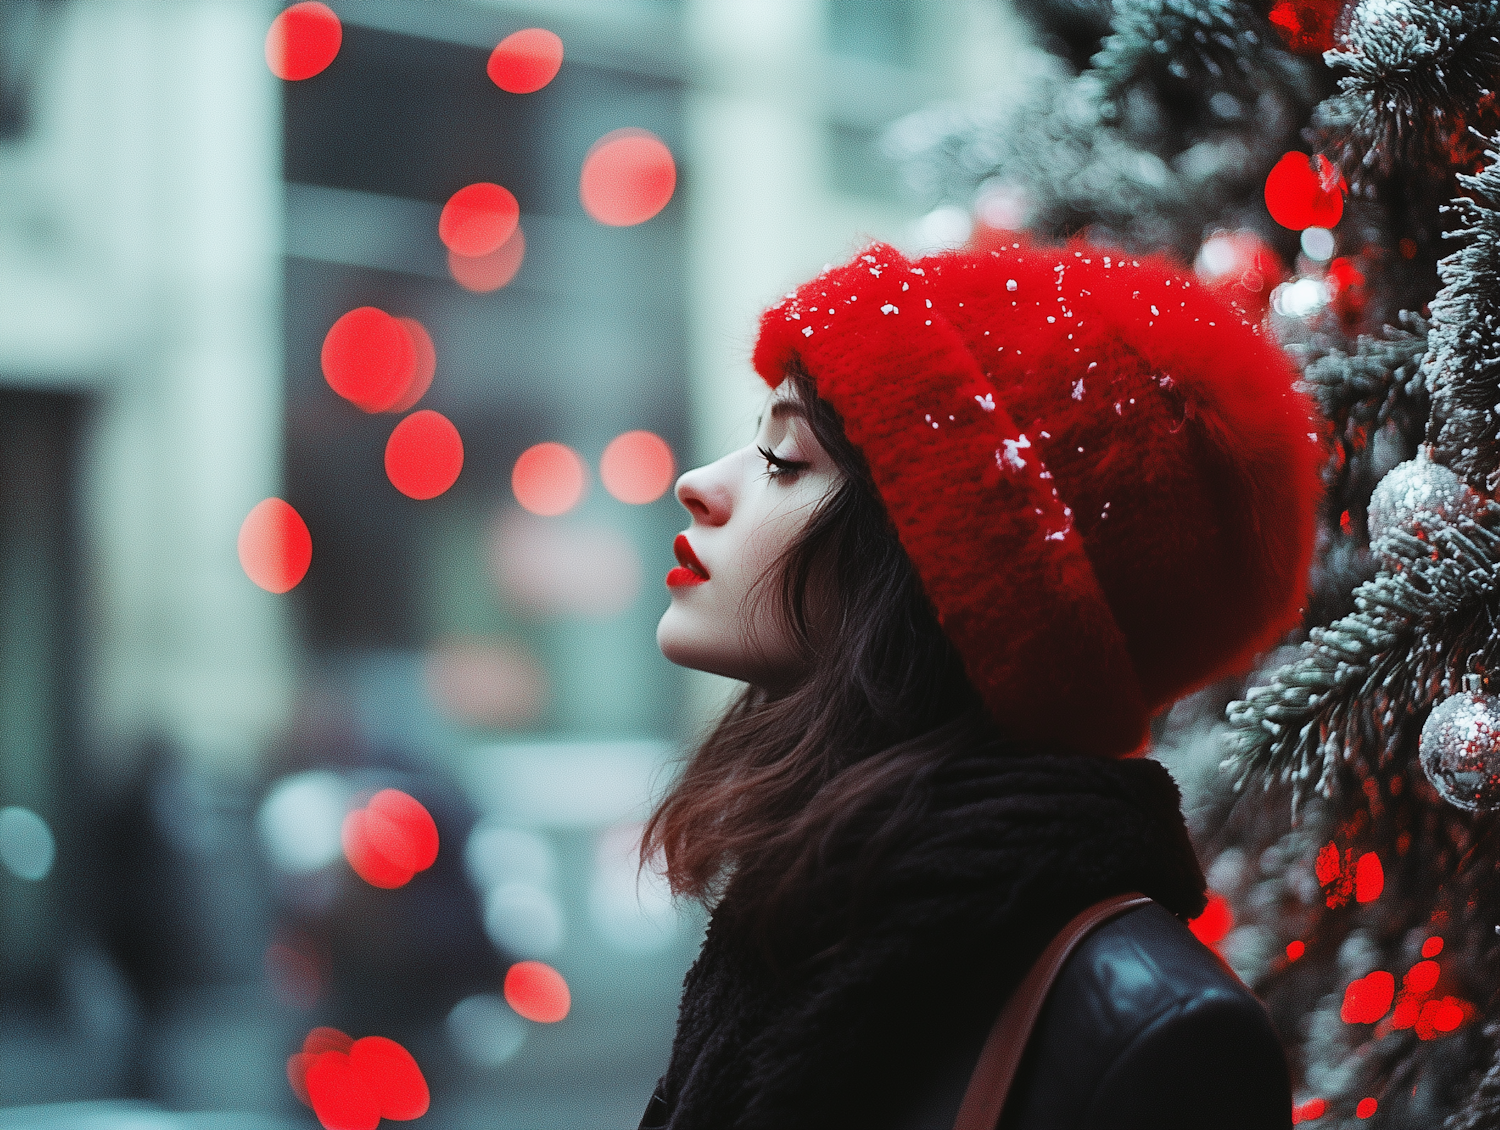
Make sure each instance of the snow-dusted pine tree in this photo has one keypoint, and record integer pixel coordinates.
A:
(1334, 169)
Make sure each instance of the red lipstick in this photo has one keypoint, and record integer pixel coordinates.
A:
(690, 570)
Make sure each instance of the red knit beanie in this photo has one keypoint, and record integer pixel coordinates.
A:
(1103, 476)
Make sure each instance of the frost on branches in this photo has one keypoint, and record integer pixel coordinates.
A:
(1172, 128)
(1464, 352)
(1365, 906)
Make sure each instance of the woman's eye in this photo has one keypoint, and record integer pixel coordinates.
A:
(777, 467)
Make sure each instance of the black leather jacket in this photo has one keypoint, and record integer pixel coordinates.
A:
(1145, 1028)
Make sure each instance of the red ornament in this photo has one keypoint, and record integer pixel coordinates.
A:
(1346, 289)
(1367, 999)
(1367, 1106)
(1336, 874)
(424, 455)
(525, 61)
(1305, 192)
(1306, 26)
(303, 40)
(1215, 922)
(1309, 1111)
(1369, 878)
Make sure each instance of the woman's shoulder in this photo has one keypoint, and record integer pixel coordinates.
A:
(1145, 1026)
(1148, 1027)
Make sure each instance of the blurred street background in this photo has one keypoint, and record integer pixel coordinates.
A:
(179, 748)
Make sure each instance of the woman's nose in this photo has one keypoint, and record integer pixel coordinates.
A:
(705, 494)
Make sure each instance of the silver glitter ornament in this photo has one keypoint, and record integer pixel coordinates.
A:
(1460, 748)
(1419, 497)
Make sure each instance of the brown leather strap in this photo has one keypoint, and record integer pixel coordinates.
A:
(998, 1062)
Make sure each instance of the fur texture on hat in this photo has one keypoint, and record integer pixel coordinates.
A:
(1104, 477)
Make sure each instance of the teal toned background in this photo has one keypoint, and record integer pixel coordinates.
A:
(178, 230)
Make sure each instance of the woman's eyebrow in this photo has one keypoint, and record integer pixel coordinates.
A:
(787, 408)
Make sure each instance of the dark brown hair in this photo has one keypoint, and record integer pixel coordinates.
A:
(885, 695)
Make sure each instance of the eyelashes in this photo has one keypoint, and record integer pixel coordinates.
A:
(777, 467)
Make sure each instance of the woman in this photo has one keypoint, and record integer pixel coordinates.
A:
(1002, 508)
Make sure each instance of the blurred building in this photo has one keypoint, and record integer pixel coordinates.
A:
(178, 230)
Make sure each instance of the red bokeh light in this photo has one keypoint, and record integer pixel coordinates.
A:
(1367, 999)
(369, 864)
(1305, 26)
(1304, 192)
(401, 829)
(525, 61)
(484, 273)
(1450, 1013)
(1422, 977)
(424, 366)
(1346, 284)
(293, 974)
(303, 40)
(1335, 871)
(1308, 1111)
(369, 358)
(275, 548)
(327, 1040)
(1215, 922)
(390, 839)
(392, 1076)
(1294, 950)
(537, 992)
(1367, 1106)
(637, 467)
(1432, 946)
(548, 568)
(549, 479)
(424, 455)
(338, 1094)
(478, 218)
(1369, 878)
(486, 683)
(296, 1074)
(352, 1084)
(628, 177)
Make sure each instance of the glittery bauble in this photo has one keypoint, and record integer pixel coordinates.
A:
(1419, 497)
(1460, 750)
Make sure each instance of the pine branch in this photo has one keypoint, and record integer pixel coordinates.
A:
(1417, 73)
(1380, 381)
(1463, 356)
(1191, 45)
(1482, 1110)
(1327, 705)
(1146, 151)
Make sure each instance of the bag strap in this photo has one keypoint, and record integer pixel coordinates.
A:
(1001, 1056)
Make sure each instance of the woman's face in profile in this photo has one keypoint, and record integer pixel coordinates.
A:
(746, 509)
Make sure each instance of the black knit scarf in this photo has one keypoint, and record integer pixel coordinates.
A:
(1003, 851)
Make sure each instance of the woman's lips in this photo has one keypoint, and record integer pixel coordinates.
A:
(690, 570)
